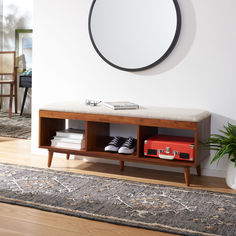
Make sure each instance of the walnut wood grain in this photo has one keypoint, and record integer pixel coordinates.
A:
(122, 157)
(122, 165)
(48, 128)
(187, 175)
(143, 133)
(97, 129)
(50, 156)
(119, 119)
(97, 135)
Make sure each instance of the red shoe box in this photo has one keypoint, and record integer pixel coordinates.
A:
(170, 147)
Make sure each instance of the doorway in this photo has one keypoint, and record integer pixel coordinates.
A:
(16, 30)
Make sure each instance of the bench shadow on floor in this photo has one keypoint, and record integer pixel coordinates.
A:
(151, 176)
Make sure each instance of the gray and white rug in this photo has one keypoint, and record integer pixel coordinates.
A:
(170, 209)
(16, 127)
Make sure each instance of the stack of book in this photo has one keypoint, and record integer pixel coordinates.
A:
(121, 105)
(69, 139)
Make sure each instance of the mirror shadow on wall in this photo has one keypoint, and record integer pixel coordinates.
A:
(184, 44)
(16, 35)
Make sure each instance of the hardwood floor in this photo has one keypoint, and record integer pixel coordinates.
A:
(18, 221)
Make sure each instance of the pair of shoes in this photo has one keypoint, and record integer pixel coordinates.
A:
(121, 145)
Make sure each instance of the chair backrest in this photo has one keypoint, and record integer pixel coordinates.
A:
(7, 62)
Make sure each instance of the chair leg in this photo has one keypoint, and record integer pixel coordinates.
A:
(15, 92)
(23, 103)
(10, 103)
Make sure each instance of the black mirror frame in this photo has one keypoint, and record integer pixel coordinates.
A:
(163, 57)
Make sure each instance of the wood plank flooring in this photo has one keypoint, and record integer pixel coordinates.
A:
(18, 221)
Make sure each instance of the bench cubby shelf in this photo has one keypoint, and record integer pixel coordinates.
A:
(97, 128)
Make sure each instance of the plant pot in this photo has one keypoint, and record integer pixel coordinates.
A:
(231, 175)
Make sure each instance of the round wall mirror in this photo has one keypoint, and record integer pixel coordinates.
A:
(134, 35)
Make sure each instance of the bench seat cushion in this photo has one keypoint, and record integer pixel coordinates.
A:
(165, 113)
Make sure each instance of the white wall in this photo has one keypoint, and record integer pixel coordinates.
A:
(16, 15)
(199, 73)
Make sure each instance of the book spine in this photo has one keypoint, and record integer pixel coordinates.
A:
(125, 108)
(67, 140)
(108, 105)
(67, 145)
(121, 107)
(69, 135)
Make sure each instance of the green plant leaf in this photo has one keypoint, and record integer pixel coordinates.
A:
(221, 153)
(223, 143)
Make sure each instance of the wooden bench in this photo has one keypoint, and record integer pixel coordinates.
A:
(146, 119)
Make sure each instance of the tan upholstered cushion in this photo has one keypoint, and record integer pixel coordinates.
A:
(167, 113)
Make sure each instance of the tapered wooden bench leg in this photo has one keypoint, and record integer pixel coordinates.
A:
(122, 166)
(198, 168)
(50, 155)
(187, 175)
(67, 156)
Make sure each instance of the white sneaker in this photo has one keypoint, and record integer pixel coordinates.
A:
(115, 144)
(128, 147)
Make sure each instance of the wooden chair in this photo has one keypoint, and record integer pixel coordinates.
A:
(8, 72)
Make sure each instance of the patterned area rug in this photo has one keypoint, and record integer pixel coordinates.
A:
(16, 127)
(170, 209)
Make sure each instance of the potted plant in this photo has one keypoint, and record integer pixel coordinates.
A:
(225, 145)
